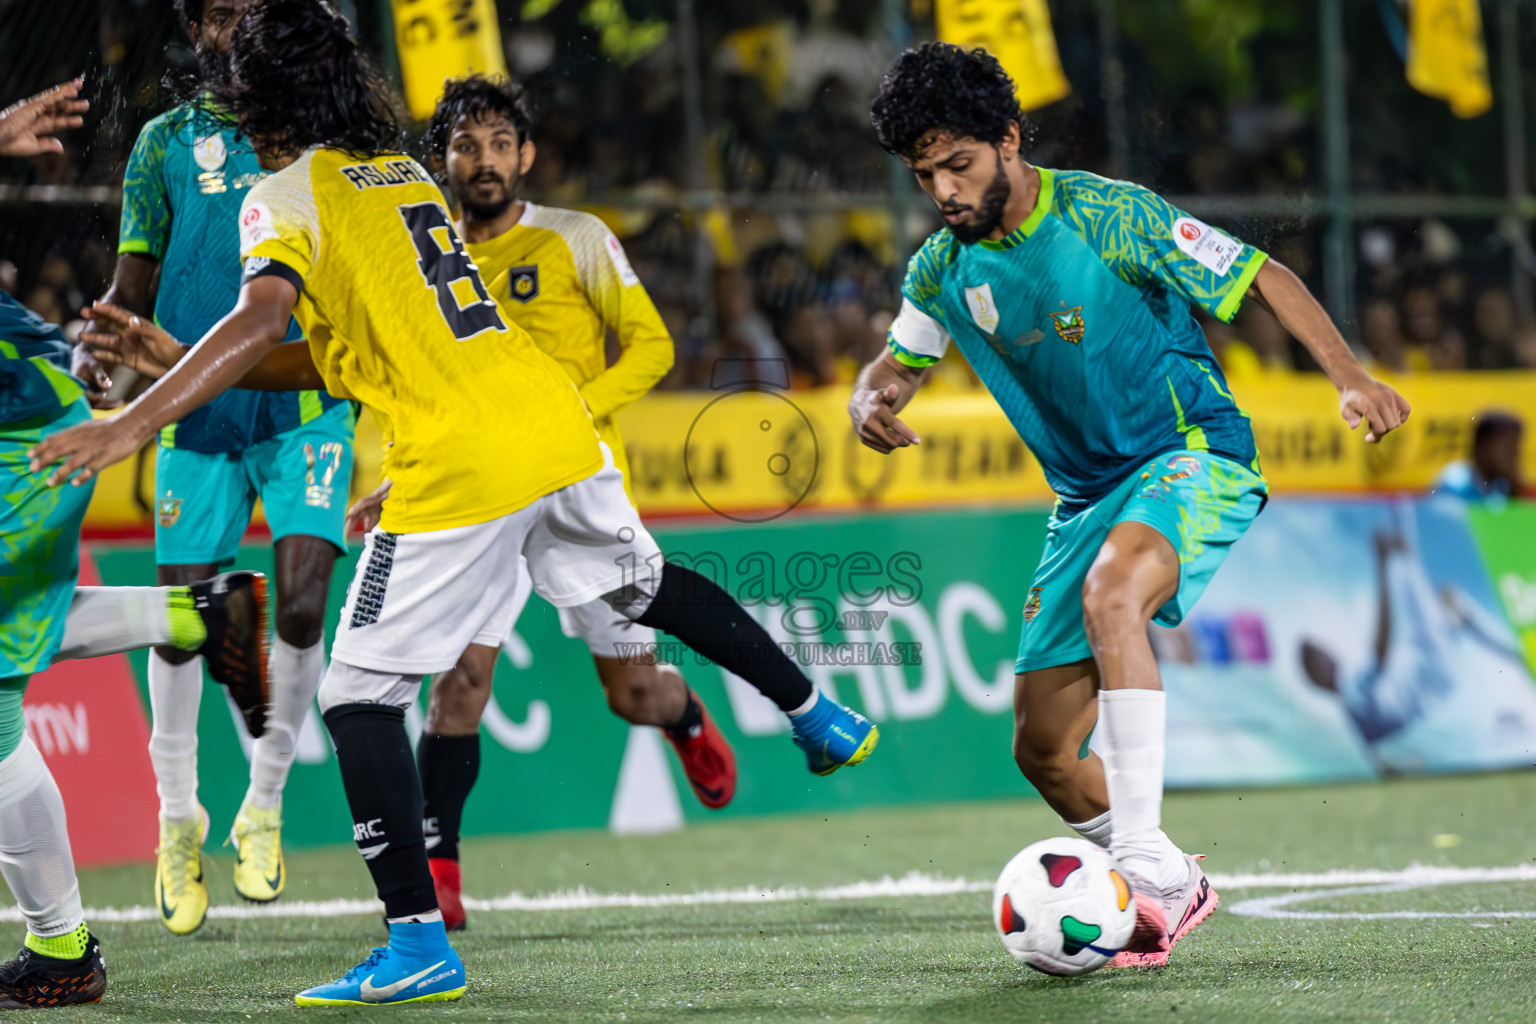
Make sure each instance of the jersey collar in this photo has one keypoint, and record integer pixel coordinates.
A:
(527, 217)
(1042, 206)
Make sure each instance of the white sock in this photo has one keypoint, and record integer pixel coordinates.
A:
(1171, 863)
(295, 673)
(110, 620)
(427, 918)
(1095, 830)
(1134, 723)
(174, 694)
(34, 845)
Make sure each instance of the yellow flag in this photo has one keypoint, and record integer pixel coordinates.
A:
(1446, 57)
(441, 39)
(1016, 32)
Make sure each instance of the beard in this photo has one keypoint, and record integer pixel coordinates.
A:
(487, 209)
(987, 216)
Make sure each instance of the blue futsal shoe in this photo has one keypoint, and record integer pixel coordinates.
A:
(833, 736)
(418, 966)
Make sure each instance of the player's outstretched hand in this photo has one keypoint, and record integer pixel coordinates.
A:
(84, 366)
(117, 337)
(27, 127)
(1375, 404)
(85, 450)
(874, 417)
(364, 514)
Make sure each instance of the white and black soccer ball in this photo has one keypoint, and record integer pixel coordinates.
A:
(1062, 907)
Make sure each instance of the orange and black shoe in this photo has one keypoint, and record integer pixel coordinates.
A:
(233, 607)
(33, 981)
(449, 884)
(708, 760)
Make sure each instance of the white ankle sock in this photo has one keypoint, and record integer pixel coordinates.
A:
(1095, 830)
(174, 694)
(1134, 723)
(110, 620)
(295, 673)
(34, 845)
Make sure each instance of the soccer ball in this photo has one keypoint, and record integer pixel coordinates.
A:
(1062, 907)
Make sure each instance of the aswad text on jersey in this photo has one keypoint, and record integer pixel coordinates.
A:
(182, 190)
(1079, 323)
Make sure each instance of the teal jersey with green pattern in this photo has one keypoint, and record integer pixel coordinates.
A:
(186, 180)
(36, 386)
(1079, 323)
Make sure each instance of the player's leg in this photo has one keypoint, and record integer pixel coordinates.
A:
(1054, 711)
(618, 560)
(448, 758)
(202, 506)
(1172, 527)
(643, 692)
(39, 530)
(302, 476)
(417, 600)
(60, 962)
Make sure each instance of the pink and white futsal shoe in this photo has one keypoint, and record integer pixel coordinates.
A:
(1154, 937)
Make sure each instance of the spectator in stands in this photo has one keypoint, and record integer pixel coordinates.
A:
(1426, 330)
(1382, 332)
(1493, 472)
(1258, 345)
(1493, 329)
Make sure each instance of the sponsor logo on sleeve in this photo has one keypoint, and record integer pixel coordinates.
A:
(1205, 245)
(620, 261)
(255, 226)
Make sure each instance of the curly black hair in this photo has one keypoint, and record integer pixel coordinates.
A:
(477, 97)
(297, 78)
(941, 89)
(192, 10)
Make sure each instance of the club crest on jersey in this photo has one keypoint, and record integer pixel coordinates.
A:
(983, 308)
(209, 152)
(1032, 604)
(167, 511)
(523, 283)
(1069, 324)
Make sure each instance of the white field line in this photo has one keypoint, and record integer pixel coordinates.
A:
(914, 885)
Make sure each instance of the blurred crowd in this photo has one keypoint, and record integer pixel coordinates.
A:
(800, 259)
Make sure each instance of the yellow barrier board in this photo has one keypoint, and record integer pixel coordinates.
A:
(753, 455)
(440, 39)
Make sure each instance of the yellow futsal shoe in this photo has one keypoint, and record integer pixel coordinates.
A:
(258, 839)
(179, 890)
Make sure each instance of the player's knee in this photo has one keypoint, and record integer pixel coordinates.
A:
(175, 655)
(300, 622)
(645, 694)
(1108, 600)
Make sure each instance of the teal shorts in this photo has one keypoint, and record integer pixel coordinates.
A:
(40, 537)
(1201, 502)
(203, 501)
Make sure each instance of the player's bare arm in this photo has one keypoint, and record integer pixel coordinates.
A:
(1362, 398)
(129, 340)
(253, 328)
(883, 389)
(28, 127)
(364, 514)
(132, 289)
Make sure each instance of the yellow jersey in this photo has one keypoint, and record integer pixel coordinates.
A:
(477, 421)
(563, 277)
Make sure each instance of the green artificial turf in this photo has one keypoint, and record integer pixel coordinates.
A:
(932, 958)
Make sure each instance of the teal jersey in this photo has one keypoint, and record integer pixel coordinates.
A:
(186, 180)
(35, 383)
(1079, 323)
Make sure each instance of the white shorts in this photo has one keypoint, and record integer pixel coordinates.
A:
(418, 599)
(606, 632)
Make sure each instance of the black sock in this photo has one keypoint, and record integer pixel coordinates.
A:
(693, 716)
(449, 766)
(694, 609)
(384, 794)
